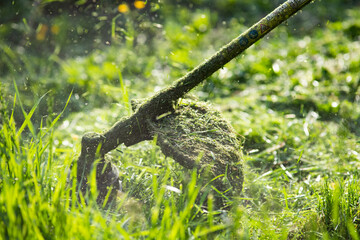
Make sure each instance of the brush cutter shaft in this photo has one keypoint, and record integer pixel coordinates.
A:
(238, 45)
(132, 130)
(183, 85)
(265, 25)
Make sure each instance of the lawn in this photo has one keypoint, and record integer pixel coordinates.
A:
(292, 99)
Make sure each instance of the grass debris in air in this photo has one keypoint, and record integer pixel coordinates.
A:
(293, 99)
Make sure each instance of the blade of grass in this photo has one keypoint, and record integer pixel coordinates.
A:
(113, 25)
(60, 114)
(27, 121)
(125, 95)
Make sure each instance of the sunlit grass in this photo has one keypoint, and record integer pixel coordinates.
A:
(36, 202)
(293, 101)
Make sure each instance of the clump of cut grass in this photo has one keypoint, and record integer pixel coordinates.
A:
(198, 137)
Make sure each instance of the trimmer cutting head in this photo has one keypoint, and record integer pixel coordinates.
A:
(196, 136)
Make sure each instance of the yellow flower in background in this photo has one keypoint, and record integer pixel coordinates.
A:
(55, 29)
(41, 32)
(123, 8)
(139, 4)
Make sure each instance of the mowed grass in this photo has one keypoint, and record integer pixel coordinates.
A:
(293, 100)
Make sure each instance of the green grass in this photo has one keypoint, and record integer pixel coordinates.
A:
(36, 202)
(293, 100)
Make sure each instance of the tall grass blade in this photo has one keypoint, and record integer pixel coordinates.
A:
(27, 121)
(125, 94)
(58, 116)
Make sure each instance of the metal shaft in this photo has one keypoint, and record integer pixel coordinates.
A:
(239, 44)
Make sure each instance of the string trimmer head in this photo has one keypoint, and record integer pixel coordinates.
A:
(196, 136)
